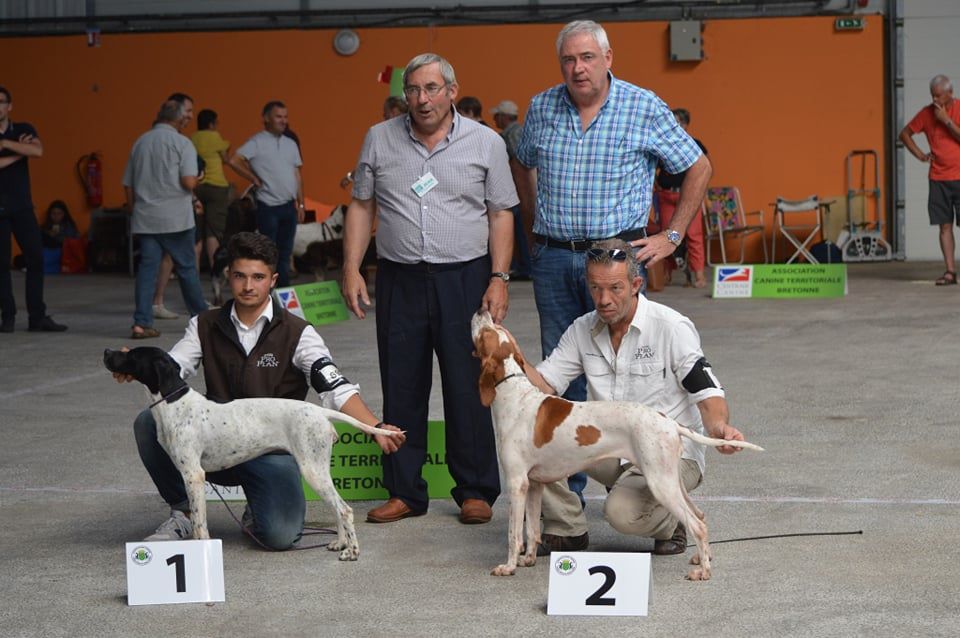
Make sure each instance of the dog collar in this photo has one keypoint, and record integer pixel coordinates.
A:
(509, 376)
(170, 397)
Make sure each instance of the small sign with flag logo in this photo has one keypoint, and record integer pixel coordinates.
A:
(780, 281)
(733, 281)
(319, 302)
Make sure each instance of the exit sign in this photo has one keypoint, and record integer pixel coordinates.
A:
(849, 24)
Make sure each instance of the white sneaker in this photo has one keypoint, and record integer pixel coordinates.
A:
(161, 312)
(176, 528)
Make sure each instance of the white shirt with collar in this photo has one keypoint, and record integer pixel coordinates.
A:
(660, 348)
(188, 353)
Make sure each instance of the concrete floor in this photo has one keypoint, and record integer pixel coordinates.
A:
(852, 398)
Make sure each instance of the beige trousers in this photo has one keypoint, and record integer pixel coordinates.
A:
(630, 508)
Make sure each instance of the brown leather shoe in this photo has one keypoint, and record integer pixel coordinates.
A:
(393, 510)
(475, 511)
(553, 543)
(676, 544)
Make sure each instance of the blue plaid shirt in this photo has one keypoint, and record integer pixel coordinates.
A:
(598, 183)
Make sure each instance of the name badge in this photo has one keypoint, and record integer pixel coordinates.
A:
(424, 185)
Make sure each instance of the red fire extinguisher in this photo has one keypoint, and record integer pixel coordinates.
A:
(90, 172)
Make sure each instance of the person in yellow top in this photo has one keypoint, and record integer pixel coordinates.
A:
(214, 189)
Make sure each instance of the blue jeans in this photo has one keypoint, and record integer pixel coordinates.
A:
(179, 246)
(271, 483)
(561, 293)
(279, 223)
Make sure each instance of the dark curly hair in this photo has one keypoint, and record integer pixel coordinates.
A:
(254, 246)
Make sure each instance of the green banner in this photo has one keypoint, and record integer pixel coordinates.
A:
(356, 472)
(319, 302)
(779, 281)
(396, 82)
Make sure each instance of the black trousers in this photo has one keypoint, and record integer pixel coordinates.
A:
(422, 309)
(22, 224)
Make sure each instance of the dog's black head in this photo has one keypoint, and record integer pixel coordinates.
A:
(152, 367)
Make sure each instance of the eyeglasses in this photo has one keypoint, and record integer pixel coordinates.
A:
(431, 90)
(596, 254)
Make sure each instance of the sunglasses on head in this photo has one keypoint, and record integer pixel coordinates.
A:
(596, 254)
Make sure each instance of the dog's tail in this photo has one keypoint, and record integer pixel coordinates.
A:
(349, 420)
(706, 440)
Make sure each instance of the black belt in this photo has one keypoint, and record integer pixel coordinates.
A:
(580, 245)
(424, 266)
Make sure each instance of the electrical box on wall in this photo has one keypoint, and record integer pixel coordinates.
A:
(686, 42)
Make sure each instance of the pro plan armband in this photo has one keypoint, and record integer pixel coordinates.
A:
(701, 377)
(325, 376)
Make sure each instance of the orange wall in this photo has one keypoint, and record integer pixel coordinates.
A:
(778, 102)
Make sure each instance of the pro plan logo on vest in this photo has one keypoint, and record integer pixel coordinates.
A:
(268, 360)
(733, 282)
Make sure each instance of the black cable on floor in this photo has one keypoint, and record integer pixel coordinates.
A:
(312, 530)
(760, 538)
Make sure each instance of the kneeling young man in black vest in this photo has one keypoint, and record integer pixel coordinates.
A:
(252, 348)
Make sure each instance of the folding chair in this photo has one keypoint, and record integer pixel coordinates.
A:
(799, 232)
(723, 217)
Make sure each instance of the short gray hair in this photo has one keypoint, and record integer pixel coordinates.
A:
(941, 80)
(446, 69)
(633, 266)
(170, 111)
(588, 27)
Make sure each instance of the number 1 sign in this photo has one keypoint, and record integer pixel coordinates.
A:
(598, 584)
(175, 572)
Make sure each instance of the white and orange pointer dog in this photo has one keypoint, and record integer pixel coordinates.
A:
(542, 438)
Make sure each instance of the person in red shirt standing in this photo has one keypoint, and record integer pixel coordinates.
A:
(940, 122)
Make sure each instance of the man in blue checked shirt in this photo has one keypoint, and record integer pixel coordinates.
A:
(589, 152)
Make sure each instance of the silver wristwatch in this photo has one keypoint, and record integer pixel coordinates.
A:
(674, 237)
(501, 275)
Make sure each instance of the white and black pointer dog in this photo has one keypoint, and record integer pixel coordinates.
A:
(202, 436)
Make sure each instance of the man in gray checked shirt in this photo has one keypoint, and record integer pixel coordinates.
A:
(441, 190)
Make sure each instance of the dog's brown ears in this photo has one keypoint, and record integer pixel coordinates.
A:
(487, 349)
(488, 381)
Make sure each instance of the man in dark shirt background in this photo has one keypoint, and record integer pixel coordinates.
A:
(19, 141)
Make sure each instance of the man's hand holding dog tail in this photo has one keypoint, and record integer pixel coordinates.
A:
(716, 421)
(390, 444)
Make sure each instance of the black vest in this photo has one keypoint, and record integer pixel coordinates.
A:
(267, 372)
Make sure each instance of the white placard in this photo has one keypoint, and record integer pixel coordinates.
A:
(598, 584)
(164, 572)
(228, 492)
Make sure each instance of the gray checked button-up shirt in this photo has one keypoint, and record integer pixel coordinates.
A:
(158, 159)
(449, 223)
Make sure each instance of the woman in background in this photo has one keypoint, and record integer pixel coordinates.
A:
(58, 225)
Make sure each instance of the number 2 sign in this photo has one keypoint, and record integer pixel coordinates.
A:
(598, 584)
(175, 572)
